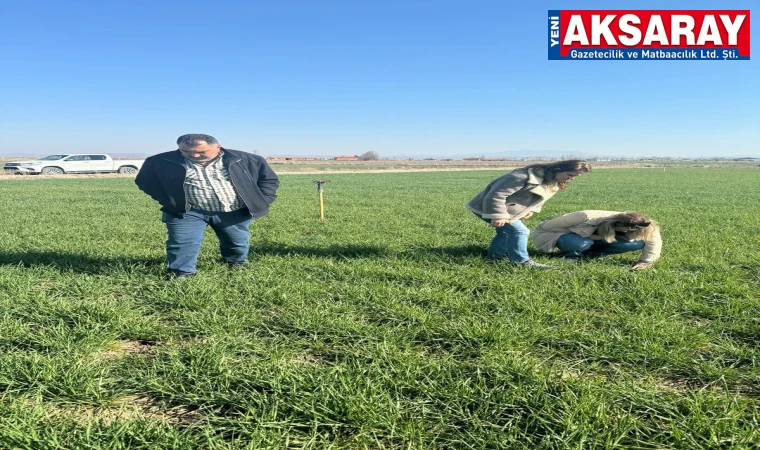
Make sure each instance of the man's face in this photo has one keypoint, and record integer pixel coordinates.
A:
(200, 152)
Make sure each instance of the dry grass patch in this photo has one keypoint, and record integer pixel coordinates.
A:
(121, 348)
(304, 359)
(125, 409)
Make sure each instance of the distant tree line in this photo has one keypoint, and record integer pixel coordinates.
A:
(368, 156)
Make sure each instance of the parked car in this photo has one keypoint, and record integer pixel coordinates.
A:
(75, 163)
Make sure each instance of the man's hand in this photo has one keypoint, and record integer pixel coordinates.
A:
(528, 216)
(496, 223)
(642, 265)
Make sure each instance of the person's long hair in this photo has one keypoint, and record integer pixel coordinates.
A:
(644, 227)
(551, 170)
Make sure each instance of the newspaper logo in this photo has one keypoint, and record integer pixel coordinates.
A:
(717, 35)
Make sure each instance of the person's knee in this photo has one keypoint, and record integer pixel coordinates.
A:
(516, 233)
(234, 244)
(184, 243)
(578, 246)
(574, 243)
(233, 236)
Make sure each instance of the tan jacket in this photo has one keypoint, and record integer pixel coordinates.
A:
(584, 223)
(512, 196)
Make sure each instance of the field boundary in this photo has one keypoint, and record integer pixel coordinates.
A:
(318, 172)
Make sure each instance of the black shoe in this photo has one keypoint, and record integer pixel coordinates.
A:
(179, 274)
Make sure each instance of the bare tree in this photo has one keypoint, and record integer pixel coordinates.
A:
(369, 156)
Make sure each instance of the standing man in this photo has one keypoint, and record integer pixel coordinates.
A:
(203, 184)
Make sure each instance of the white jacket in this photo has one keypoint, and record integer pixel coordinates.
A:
(584, 223)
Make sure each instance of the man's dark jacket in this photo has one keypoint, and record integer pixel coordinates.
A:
(162, 177)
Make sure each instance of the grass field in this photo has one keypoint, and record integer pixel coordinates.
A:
(382, 327)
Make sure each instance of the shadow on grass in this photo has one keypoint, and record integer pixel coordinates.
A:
(331, 251)
(78, 262)
(463, 251)
(367, 251)
(103, 265)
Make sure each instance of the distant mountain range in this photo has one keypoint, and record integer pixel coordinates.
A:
(505, 155)
(129, 155)
(552, 154)
(113, 155)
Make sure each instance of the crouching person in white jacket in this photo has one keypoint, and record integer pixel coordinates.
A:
(593, 233)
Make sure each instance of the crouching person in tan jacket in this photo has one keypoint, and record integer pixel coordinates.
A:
(595, 233)
(516, 196)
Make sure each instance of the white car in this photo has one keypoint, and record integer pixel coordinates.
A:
(75, 163)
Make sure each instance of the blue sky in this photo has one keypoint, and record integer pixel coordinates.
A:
(437, 78)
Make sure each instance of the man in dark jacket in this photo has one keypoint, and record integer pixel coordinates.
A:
(203, 184)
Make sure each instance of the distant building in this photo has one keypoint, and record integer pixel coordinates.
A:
(346, 158)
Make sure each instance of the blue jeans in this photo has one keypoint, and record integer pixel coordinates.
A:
(186, 236)
(511, 240)
(574, 246)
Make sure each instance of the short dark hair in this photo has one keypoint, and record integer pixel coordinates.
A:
(191, 140)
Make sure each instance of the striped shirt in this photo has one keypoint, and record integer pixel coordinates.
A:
(209, 187)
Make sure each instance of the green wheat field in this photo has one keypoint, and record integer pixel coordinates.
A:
(382, 327)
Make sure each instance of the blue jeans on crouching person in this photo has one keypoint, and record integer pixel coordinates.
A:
(574, 246)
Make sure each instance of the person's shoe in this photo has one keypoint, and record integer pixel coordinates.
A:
(571, 259)
(535, 265)
(176, 274)
(237, 265)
